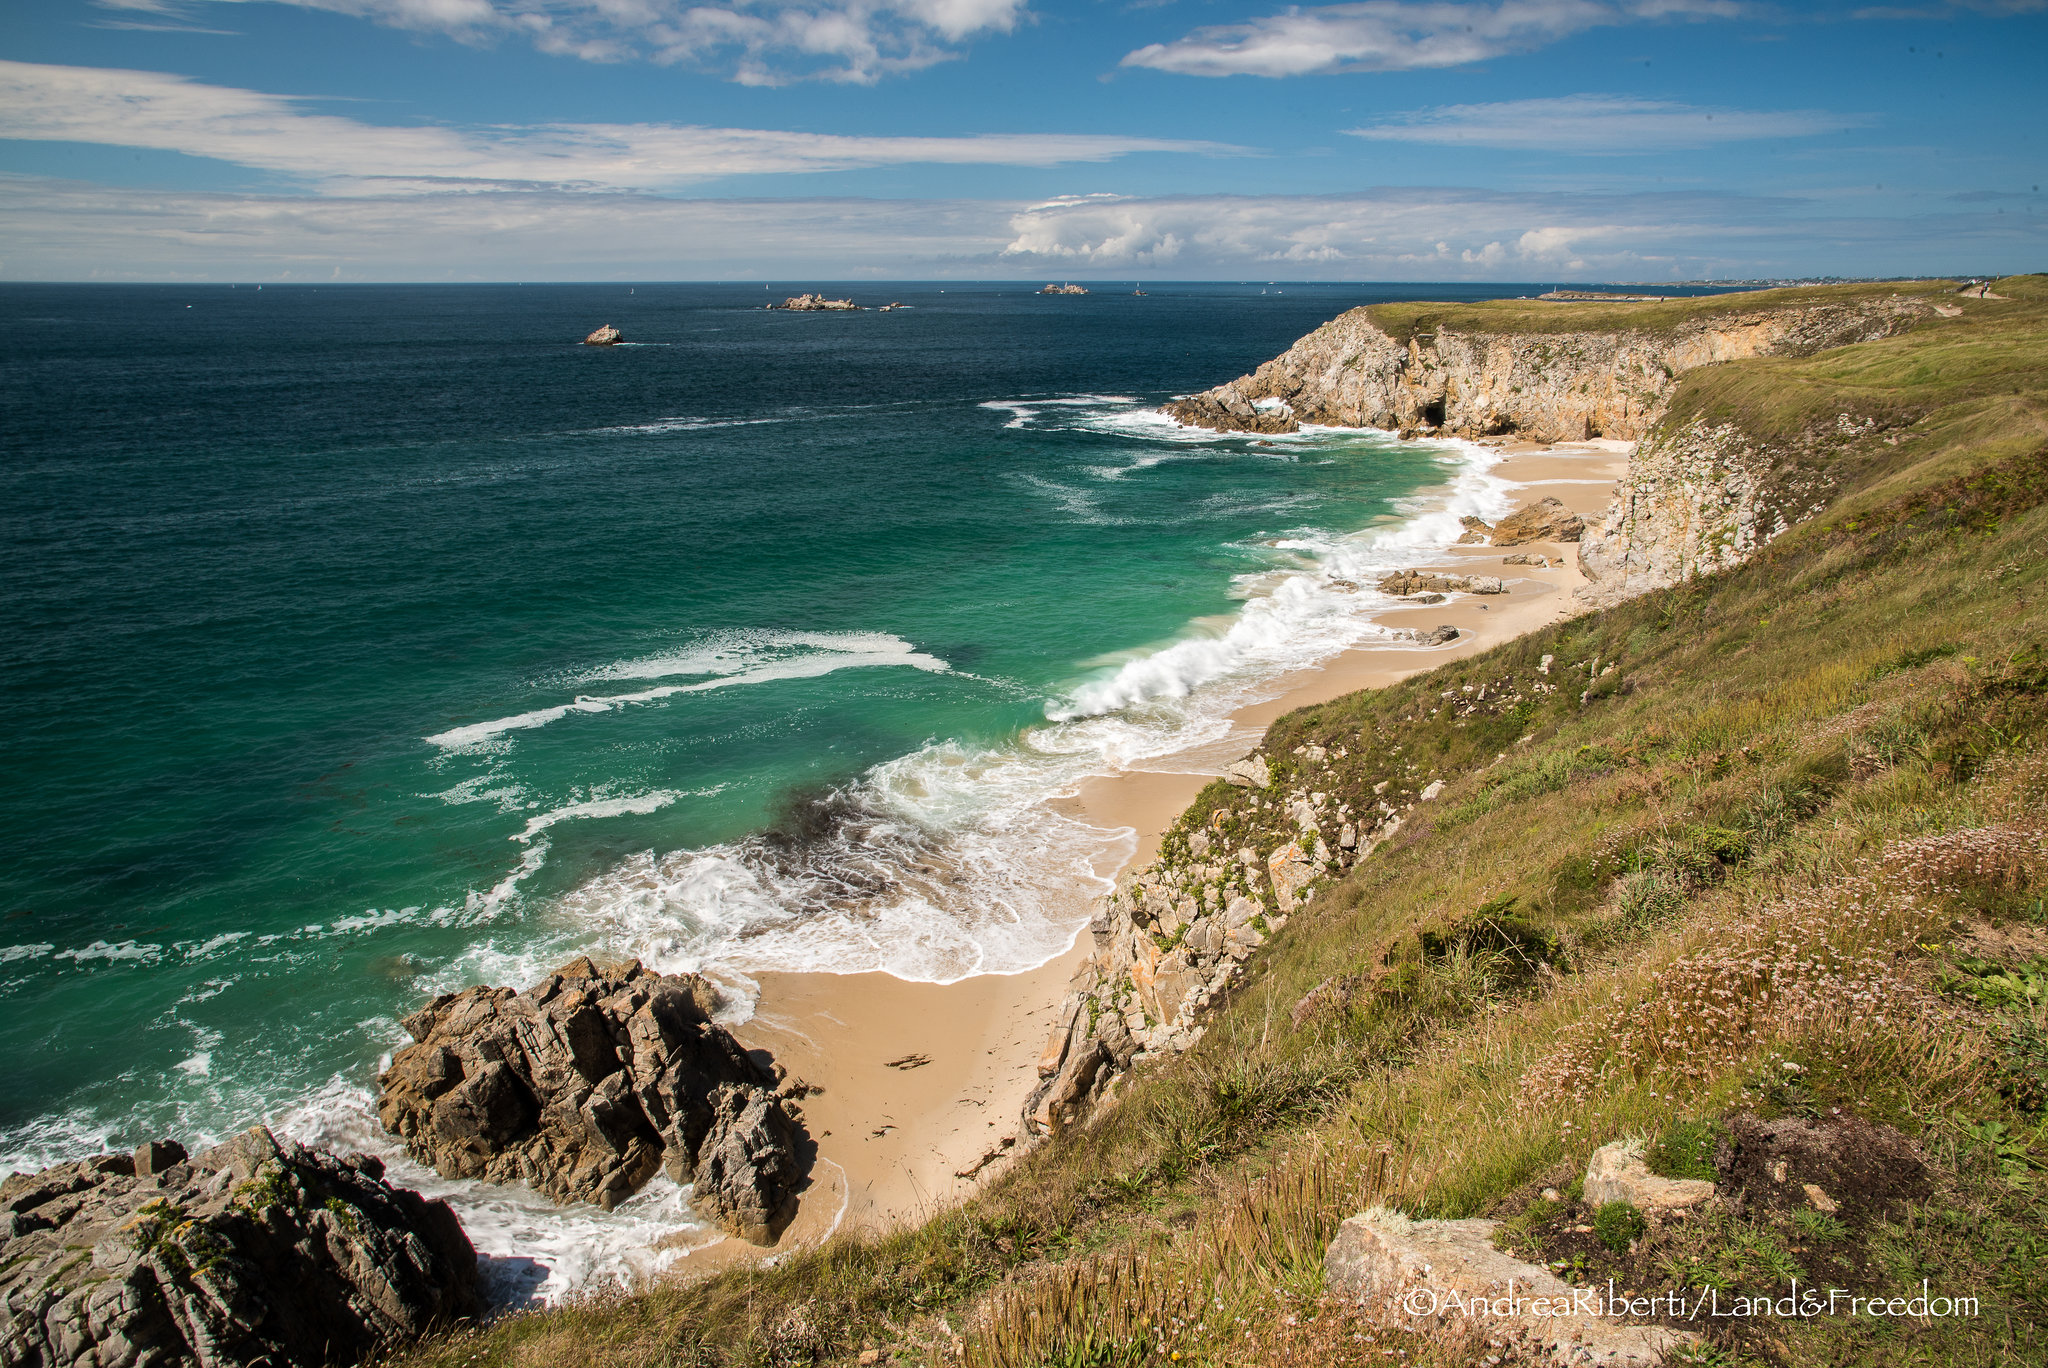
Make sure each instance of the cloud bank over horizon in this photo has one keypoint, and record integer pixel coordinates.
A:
(63, 230)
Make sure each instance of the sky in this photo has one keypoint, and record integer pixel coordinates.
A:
(1385, 140)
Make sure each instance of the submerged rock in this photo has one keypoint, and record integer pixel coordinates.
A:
(585, 1084)
(257, 1251)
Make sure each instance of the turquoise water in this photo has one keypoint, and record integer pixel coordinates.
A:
(368, 642)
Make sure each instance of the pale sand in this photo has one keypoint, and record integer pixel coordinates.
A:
(983, 1035)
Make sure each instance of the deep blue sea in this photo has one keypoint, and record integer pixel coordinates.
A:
(367, 642)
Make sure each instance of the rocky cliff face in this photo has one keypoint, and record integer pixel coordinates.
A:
(1701, 497)
(1548, 386)
(255, 1252)
(585, 1084)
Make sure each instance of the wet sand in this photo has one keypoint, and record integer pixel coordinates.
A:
(895, 1135)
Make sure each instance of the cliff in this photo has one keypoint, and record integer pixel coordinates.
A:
(1547, 371)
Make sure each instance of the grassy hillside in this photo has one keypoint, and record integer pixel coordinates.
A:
(1403, 319)
(1768, 844)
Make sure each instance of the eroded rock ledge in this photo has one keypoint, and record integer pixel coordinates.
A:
(1547, 386)
(258, 1251)
(585, 1084)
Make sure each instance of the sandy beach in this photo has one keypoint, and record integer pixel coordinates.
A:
(923, 1084)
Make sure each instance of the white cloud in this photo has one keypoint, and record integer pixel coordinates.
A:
(1396, 35)
(269, 133)
(62, 231)
(1601, 124)
(760, 42)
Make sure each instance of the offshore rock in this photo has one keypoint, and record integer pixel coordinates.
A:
(258, 1251)
(814, 303)
(607, 336)
(585, 1084)
(1545, 520)
(1551, 386)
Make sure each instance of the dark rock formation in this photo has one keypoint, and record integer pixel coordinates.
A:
(607, 336)
(258, 1251)
(585, 1084)
(1545, 520)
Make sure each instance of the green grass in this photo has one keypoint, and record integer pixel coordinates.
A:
(1783, 756)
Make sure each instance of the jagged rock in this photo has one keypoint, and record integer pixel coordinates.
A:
(1422, 1269)
(580, 1087)
(1545, 520)
(1252, 772)
(1551, 386)
(255, 1252)
(1476, 531)
(607, 336)
(1617, 1173)
(748, 1168)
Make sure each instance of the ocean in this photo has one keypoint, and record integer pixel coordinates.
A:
(368, 642)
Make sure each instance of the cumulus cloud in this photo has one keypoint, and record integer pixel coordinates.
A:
(1397, 35)
(759, 42)
(1601, 124)
(270, 133)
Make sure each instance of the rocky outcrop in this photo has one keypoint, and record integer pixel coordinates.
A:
(585, 1084)
(816, 303)
(1173, 938)
(1064, 290)
(607, 336)
(258, 1251)
(1617, 1173)
(1404, 583)
(1700, 497)
(1557, 385)
(1449, 1270)
(1544, 520)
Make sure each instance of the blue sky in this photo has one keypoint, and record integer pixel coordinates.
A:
(841, 139)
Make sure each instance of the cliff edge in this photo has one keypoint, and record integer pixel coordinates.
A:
(1550, 372)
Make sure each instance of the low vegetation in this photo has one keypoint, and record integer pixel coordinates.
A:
(1771, 844)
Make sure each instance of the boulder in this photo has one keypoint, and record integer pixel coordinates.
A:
(1476, 531)
(581, 1087)
(1617, 1173)
(1545, 520)
(607, 336)
(1251, 772)
(1437, 636)
(1291, 870)
(258, 1251)
(1417, 1270)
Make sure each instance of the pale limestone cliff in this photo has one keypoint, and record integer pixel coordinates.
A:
(1702, 497)
(1548, 386)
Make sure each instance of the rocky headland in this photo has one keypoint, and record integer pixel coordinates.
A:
(1536, 378)
(587, 1083)
(258, 1251)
